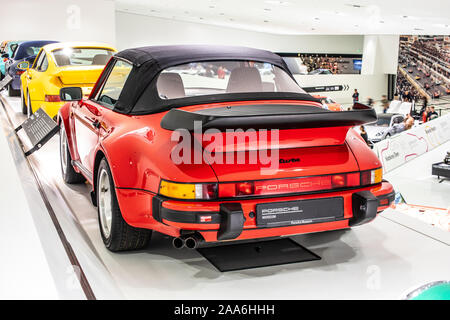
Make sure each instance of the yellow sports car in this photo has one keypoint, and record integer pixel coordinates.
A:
(59, 65)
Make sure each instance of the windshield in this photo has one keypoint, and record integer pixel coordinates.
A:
(12, 49)
(28, 51)
(383, 122)
(219, 77)
(82, 56)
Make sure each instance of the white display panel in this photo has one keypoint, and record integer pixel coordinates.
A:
(409, 144)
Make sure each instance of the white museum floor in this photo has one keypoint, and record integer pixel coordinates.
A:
(381, 260)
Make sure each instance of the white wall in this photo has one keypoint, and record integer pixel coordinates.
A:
(134, 30)
(64, 20)
(380, 54)
(97, 20)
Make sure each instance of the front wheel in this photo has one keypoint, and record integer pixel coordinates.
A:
(117, 235)
(69, 174)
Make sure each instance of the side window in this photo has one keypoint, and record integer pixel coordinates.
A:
(13, 49)
(38, 60)
(110, 92)
(44, 63)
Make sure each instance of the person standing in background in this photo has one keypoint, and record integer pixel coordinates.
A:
(385, 103)
(355, 96)
(364, 134)
(409, 122)
(432, 114)
(425, 114)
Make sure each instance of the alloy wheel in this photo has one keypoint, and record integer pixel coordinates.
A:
(104, 203)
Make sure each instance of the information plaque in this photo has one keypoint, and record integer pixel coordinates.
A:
(39, 128)
(4, 83)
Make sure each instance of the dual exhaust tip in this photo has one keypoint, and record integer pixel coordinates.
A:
(191, 241)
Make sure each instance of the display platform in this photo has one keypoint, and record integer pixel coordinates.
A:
(382, 260)
(244, 256)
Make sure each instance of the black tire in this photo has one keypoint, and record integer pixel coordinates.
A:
(70, 176)
(29, 107)
(24, 104)
(122, 236)
(12, 92)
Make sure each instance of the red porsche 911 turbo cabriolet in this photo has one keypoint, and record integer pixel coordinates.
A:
(210, 144)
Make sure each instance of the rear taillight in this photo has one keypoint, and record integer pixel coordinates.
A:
(52, 98)
(211, 191)
(245, 188)
(371, 177)
(197, 191)
(4, 60)
(19, 72)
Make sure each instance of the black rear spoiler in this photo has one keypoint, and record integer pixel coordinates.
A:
(269, 116)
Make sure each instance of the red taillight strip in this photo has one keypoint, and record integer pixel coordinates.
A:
(286, 186)
(52, 98)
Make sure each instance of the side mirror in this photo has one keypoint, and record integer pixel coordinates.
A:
(71, 94)
(24, 65)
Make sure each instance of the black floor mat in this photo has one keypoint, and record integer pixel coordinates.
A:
(257, 254)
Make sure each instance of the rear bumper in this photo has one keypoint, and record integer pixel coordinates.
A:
(51, 108)
(217, 221)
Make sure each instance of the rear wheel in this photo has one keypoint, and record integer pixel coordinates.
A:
(69, 174)
(12, 92)
(117, 235)
(24, 104)
(29, 108)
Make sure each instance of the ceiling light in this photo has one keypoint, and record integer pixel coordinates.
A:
(354, 5)
(267, 9)
(266, 20)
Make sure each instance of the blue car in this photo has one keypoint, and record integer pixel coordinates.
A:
(26, 51)
(7, 52)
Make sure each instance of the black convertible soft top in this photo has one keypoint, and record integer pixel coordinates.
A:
(140, 96)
